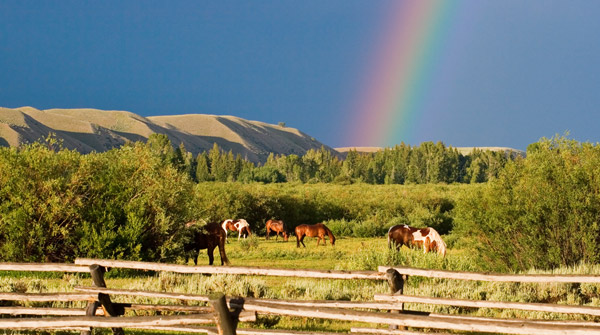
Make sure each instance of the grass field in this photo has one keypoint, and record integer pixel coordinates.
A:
(257, 251)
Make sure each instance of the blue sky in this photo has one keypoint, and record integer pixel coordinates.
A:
(515, 71)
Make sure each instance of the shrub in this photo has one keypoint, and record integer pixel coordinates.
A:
(249, 243)
(542, 211)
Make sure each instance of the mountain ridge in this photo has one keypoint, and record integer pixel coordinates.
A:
(87, 130)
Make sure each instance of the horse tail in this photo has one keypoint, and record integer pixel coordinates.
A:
(441, 246)
(389, 236)
(222, 241)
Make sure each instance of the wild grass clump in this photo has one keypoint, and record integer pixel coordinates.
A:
(13, 285)
(371, 255)
(349, 290)
(249, 243)
(231, 285)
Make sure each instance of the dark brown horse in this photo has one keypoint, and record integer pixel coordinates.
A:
(426, 238)
(276, 226)
(318, 230)
(206, 237)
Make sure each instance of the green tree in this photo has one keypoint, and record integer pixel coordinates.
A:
(203, 168)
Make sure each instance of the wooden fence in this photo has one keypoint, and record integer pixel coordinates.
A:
(224, 314)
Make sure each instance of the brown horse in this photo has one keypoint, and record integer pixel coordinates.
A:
(206, 237)
(427, 238)
(316, 230)
(239, 225)
(278, 227)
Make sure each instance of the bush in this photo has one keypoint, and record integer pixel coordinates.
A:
(542, 211)
(340, 227)
(55, 206)
(249, 243)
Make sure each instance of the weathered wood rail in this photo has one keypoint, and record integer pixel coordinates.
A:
(230, 312)
(494, 277)
(304, 273)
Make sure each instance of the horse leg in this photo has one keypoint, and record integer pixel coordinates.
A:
(268, 231)
(299, 239)
(195, 256)
(319, 237)
(211, 257)
(224, 259)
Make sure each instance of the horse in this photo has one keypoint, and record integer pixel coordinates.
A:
(278, 227)
(206, 237)
(427, 238)
(316, 230)
(239, 225)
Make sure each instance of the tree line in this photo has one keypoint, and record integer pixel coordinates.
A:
(402, 164)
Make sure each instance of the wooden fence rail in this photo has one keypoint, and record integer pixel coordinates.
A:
(594, 279)
(247, 271)
(40, 297)
(103, 322)
(338, 310)
(497, 326)
(540, 307)
(205, 298)
(43, 267)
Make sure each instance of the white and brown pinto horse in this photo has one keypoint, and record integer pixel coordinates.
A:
(427, 238)
(239, 225)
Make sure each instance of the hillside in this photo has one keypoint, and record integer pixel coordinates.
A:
(88, 130)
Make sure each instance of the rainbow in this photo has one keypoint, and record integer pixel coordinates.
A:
(399, 74)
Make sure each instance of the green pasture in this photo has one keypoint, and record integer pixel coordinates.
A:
(257, 251)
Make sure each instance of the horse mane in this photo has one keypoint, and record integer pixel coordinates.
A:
(331, 237)
(441, 245)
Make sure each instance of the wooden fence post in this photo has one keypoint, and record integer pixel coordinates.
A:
(226, 321)
(110, 309)
(90, 310)
(396, 282)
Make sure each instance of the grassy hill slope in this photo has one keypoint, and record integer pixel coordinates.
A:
(88, 130)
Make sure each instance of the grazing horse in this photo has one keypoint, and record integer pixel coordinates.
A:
(239, 225)
(206, 237)
(428, 238)
(316, 230)
(278, 227)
